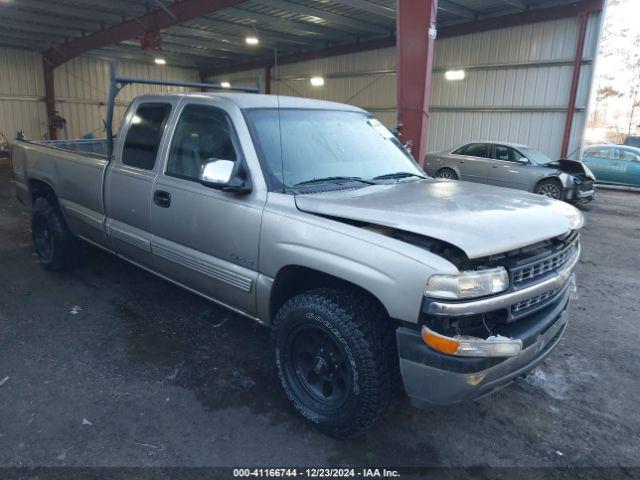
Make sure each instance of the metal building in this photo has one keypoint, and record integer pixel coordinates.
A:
(527, 64)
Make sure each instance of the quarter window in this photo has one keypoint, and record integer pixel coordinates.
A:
(202, 133)
(145, 132)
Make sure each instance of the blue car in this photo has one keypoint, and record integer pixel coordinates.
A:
(613, 164)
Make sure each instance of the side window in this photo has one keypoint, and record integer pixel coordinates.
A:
(477, 150)
(202, 133)
(624, 155)
(507, 153)
(144, 135)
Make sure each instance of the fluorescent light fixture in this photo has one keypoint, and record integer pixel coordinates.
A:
(317, 81)
(454, 74)
(160, 61)
(252, 40)
(225, 84)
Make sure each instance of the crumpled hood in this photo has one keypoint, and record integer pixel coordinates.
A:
(572, 167)
(479, 219)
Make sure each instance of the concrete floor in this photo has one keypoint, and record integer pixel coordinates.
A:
(146, 374)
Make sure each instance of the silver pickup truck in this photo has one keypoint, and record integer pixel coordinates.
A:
(309, 217)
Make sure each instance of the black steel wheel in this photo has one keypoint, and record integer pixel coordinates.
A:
(54, 243)
(447, 173)
(550, 188)
(336, 359)
(318, 365)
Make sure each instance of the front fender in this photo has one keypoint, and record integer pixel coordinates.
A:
(396, 273)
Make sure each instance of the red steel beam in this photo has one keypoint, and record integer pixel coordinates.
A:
(49, 99)
(155, 20)
(416, 20)
(575, 80)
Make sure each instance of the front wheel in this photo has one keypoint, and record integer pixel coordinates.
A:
(336, 360)
(550, 188)
(447, 173)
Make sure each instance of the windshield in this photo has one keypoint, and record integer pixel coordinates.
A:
(536, 156)
(301, 146)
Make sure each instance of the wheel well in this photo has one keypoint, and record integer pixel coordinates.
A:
(448, 168)
(547, 179)
(293, 280)
(39, 189)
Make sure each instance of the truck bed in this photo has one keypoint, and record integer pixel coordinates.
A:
(75, 176)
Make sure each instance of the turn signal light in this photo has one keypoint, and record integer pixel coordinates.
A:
(464, 346)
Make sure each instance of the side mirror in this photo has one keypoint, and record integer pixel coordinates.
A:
(225, 175)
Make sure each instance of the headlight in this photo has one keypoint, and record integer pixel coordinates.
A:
(463, 346)
(469, 284)
(588, 171)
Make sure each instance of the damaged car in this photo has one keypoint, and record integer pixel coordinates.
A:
(514, 166)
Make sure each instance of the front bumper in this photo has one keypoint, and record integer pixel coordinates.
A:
(435, 379)
(580, 194)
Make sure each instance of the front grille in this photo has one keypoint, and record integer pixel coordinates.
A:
(525, 304)
(543, 266)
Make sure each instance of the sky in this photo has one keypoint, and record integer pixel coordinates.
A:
(620, 17)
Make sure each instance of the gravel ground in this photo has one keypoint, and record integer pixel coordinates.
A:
(109, 366)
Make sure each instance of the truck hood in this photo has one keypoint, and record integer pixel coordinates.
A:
(479, 219)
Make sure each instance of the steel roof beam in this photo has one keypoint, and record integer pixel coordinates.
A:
(369, 7)
(325, 15)
(79, 25)
(457, 10)
(168, 39)
(40, 28)
(59, 9)
(154, 20)
(293, 25)
(270, 35)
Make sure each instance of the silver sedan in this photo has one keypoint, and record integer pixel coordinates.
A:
(514, 166)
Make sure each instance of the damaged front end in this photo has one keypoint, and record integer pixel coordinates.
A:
(578, 182)
(469, 345)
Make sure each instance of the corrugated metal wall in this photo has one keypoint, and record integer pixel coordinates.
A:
(516, 87)
(21, 93)
(81, 87)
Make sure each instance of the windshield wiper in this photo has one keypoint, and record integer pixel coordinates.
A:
(329, 179)
(397, 175)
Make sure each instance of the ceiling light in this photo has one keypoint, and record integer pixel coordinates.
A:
(454, 74)
(225, 84)
(317, 81)
(160, 61)
(252, 40)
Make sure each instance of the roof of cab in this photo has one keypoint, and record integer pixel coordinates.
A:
(257, 100)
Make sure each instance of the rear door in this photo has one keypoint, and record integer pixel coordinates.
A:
(205, 239)
(130, 176)
(473, 162)
(509, 168)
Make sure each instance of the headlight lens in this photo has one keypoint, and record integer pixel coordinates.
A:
(469, 284)
(464, 346)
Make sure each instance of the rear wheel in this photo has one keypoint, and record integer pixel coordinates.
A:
(336, 359)
(54, 243)
(447, 173)
(550, 188)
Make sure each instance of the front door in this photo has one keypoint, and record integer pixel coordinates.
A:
(206, 239)
(509, 168)
(130, 176)
(599, 161)
(625, 167)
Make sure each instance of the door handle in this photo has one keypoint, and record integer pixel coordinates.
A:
(162, 198)
(461, 161)
(494, 166)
